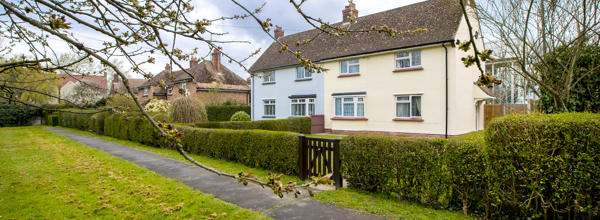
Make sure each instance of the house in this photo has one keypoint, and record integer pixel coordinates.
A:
(118, 87)
(413, 85)
(82, 89)
(212, 83)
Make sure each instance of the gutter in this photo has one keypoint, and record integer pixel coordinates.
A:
(446, 124)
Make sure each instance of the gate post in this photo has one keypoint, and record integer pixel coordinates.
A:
(337, 176)
(302, 157)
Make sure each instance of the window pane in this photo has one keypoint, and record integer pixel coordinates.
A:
(311, 109)
(404, 54)
(416, 58)
(307, 74)
(404, 63)
(354, 69)
(402, 98)
(360, 110)
(338, 106)
(344, 67)
(402, 110)
(349, 109)
(300, 72)
(416, 106)
(348, 99)
(360, 99)
(353, 61)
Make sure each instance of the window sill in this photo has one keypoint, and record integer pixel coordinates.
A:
(409, 119)
(350, 118)
(305, 79)
(268, 116)
(144, 95)
(408, 69)
(268, 83)
(348, 75)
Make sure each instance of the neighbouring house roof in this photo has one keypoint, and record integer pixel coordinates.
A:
(119, 87)
(440, 17)
(482, 93)
(205, 75)
(92, 80)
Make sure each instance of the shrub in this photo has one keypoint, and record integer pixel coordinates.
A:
(157, 106)
(187, 110)
(300, 125)
(224, 112)
(97, 121)
(14, 115)
(123, 103)
(545, 165)
(240, 116)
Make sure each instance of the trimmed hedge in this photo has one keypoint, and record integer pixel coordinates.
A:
(536, 161)
(224, 112)
(15, 115)
(299, 125)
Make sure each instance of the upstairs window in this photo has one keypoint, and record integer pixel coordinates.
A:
(170, 90)
(184, 88)
(269, 77)
(350, 106)
(303, 107)
(349, 67)
(269, 107)
(408, 106)
(303, 73)
(408, 59)
(145, 91)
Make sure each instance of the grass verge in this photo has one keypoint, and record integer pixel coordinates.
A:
(385, 205)
(47, 176)
(220, 165)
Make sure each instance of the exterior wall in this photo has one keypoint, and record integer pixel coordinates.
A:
(285, 85)
(203, 96)
(381, 85)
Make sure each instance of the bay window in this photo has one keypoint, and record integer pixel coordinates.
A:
(350, 106)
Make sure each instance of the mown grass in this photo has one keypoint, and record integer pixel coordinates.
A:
(385, 205)
(47, 176)
(220, 165)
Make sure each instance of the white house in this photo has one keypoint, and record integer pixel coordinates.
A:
(412, 84)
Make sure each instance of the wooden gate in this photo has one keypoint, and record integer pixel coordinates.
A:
(320, 157)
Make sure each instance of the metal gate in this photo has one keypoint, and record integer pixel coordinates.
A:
(320, 157)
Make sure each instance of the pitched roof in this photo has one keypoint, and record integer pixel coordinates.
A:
(203, 72)
(119, 87)
(440, 17)
(92, 80)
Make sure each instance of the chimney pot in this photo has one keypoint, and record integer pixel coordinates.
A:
(278, 32)
(193, 62)
(216, 60)
(350, 14)
(168, 67)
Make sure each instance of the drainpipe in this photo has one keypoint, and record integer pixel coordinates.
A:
(252, 100)
(446, 124)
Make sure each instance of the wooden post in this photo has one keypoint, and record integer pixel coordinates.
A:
(337, 176)
(301, 157)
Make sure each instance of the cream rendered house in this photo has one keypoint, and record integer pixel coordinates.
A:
(414, 85)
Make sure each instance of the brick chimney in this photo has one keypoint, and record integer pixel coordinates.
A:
(278, 32)
(168, 67)
(216, 60)
(193, 62)
(350, 13)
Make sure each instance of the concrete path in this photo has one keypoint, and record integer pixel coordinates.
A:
(252, 196)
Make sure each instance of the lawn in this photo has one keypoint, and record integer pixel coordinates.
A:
(220, 165)
(385, 205)
(47, 176)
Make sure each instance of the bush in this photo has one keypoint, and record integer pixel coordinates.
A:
(545, 165)
(299, 125)
(157, 106)
(240, 116)
(123, 103)
(412, 168)
(277, 151)
(224, 112)
(81, 120)
(97, 121)
(15, 115)
(187, 110)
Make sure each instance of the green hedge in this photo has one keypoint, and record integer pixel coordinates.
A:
(224, 112)
(81, 121)
(537, 161)
(299, 125)
(15, 115)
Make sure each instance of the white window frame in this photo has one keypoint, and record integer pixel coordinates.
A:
(410, 105)
(269, 102)
(145, 93)
(409, 58)
(305, 74)
(269, 77)
(355, 101)
(183, 85)
(346, 71)
(170, 90)
(307, 102)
